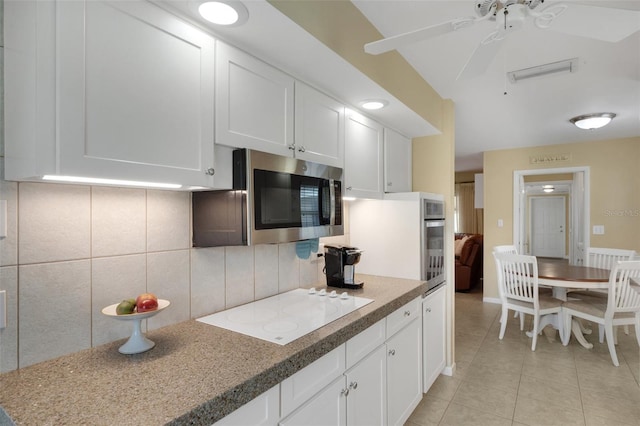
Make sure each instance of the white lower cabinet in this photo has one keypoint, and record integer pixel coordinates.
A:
(261, 411)
(367, 385)
(433, 337)
(326, 408)
(404, 378)
(349, 387)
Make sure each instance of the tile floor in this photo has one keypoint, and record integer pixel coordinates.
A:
(505, 383)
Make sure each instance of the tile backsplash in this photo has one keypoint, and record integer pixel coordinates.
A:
(72, 250)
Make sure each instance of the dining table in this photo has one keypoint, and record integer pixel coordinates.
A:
(561, 276)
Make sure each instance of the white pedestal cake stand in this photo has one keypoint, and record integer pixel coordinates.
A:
(138, 342)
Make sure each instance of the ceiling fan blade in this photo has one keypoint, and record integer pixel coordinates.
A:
(393, 42)
(600, 23)
(482, 56)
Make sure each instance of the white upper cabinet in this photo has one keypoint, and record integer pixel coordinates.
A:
(119, 90)
(254, 103)
(397, 162)
(363, 157)
(319, 127)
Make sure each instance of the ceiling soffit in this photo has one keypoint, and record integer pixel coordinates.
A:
(344, 29)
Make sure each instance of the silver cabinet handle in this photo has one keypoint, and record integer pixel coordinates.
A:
(428, 310)
(344, 392)
(210, 171)
(407, 313)
(302, 149)
(389, 183)
(292, 147)
(353, 385)
(392, 352)
(349, 188)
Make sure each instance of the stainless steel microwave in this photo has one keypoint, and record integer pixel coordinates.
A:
(275, 199)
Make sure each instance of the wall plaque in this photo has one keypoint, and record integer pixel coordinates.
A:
(549, 158)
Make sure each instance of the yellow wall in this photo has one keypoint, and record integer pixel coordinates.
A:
(615, 193)
(433, 165)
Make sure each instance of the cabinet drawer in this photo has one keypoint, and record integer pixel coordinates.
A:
(403, 316)
(364, 343)
(297, 389)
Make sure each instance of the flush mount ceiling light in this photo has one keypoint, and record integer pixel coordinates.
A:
(228, 13)
(373, 104)
(548, 188)
(593, 121)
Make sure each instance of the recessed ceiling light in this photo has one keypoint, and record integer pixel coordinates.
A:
(373, 104)
(224, 12)
(593, 121)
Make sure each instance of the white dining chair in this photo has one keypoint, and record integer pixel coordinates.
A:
(603, 258)
(518, 279)
(508, 249)
(621, 307)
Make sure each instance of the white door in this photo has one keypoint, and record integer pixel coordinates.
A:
(326, 408)
(136, 102)
(367, 383)
(363, 155)
(548, 222)
(433, 338)
(404, 373)
(254, 103)
(319, 127)
(397, 162)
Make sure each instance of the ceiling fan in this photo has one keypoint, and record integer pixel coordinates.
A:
(601, 23)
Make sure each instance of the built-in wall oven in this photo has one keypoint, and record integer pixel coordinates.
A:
(433, 242)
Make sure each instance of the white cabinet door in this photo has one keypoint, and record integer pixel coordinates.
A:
(326, 408)
(261, 411)
(367, 384)
(404, 378)
(134, 93)
(254, 103)
(433, 337)
(363, 157)
(397, 162)
(319, 127)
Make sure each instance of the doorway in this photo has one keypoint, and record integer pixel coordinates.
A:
(547, 223)
(577, 228)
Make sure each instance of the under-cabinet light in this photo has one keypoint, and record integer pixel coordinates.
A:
(117, 182)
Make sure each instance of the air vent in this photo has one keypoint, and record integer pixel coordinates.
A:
(566, 66)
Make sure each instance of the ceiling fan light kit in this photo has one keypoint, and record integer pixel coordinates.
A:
(593, 121)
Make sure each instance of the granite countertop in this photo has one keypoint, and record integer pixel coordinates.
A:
(195, 375)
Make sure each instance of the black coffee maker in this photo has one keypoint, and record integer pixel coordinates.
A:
(339, 262)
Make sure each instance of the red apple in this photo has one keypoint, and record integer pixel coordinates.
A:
(146, 302)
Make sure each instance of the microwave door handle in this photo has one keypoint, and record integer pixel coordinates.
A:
(332, 202)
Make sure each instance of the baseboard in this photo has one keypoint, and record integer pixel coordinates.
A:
(492, 300)
(449, 370)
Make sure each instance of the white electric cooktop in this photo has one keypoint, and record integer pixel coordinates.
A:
(285, 317)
